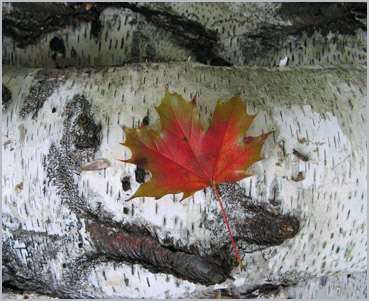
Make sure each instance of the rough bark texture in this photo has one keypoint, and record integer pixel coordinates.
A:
(299, 222)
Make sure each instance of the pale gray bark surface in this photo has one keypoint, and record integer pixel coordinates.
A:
(299, 222)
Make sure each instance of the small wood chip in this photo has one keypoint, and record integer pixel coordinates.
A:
(95, 165)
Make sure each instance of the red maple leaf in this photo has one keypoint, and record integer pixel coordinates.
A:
(182, 157)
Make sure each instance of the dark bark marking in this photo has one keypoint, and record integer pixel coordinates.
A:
(57, 46)
(28, 22)
(146, 120)
(274, 198)
(80, 141)
(95, 25)
(305, 17)
(140, 174)
(35, 276)
(12, 287)
(260, 226)
(300, 156)
(86, 134)
(81, 130)
(126, 183)
(139, 53)
(44, 84)
(6, 97)
(263, 290)
(299, 177)
(148, 252)
(324, 17)
(186, 33)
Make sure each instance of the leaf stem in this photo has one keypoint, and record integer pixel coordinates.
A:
(229, 229)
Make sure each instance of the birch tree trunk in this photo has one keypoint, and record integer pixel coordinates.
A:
(68, 232)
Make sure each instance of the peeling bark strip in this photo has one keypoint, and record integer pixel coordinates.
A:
(148, 252)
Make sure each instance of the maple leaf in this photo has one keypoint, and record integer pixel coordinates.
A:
(182, 157)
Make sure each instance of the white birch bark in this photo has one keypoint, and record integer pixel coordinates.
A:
(314, 170)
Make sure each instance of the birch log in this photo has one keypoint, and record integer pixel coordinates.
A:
(221, 34)
(68, 232)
